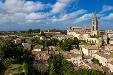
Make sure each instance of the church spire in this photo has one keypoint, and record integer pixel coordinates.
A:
(94, 22)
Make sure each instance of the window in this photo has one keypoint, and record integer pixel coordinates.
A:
(93, 27)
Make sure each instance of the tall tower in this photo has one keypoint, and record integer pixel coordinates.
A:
(94, 24)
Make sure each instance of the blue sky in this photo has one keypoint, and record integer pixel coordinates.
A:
(48, 14)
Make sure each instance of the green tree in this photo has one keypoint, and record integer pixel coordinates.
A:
(64, 67)
(103, 42)
(95, 61)
(61, 66)
(56, 60)
(36, 41)
(7, 62)
(52, 70)
(1, 54)
(25, 68)
(42, 33)
(67, 68)
(108, 40)
(67, 44)
(30, 31)
(47, 43)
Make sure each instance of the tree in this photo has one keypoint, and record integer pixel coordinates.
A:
(67, 68)
(1, 65)
(95, 61)
(47, 43)
(76, 42)
(7, 62)
(25, 68)
(56, 60)
(1, 54)
(61, 66)
(108, 39)
(64, 67)
(36, 41)
(87, 72)
(67, 44)
(42, 33)
(54, 42)
(8, 48)
(52, 70)
(30, 31)
(103, 43)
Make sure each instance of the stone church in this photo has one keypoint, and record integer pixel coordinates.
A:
(85, 33)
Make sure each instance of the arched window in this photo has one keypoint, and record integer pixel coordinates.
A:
(93, 27)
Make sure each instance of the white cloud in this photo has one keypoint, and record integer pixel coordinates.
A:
(20, 11)
(37, 16)
(106, 8)
(70, 16)
(109, 17)
(60, 5)
(13, 6)
(66, 1)
(34, 6)
(84, 18)
(12, 18)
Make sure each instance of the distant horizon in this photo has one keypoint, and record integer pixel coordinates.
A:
(49, 29)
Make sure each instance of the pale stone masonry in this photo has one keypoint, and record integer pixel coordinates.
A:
(89, 50)
(84, 33)
(73, 57)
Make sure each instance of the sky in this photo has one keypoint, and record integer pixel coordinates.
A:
(54, 14)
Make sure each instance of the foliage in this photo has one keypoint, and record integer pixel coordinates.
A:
(12, 53)
(36, 41)
(9, 49)
(7, 62)
(95, 61)
(103, 42)
(57, 62)
(42, 33)
(67, 68)
(1, 54)
(52, 69)
(64, 67)
(25, 68)
(108, 39)
(87, 72)
(64, 45)
(51, 42)
(33, 31)
(61, 66)
(45, 43)
(96, 36)
(67, 44)
(1, 66)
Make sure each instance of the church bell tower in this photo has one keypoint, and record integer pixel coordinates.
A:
(94, 24)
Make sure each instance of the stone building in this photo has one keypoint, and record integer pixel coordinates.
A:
(84, 33)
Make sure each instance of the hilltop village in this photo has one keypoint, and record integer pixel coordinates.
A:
(85, 48)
